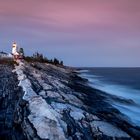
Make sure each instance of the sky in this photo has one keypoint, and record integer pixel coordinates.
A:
(87, 33)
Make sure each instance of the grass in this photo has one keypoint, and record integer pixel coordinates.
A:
(8, 61)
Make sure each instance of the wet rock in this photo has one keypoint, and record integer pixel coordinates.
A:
(9, 94)
(52, 102)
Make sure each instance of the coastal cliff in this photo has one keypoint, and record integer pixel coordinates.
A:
(41, 101)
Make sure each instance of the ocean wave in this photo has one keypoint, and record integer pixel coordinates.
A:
(124, 98)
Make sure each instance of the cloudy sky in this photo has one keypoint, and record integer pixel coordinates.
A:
(80, 32)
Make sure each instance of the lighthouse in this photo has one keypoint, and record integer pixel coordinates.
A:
(16, 54)
(14, 49)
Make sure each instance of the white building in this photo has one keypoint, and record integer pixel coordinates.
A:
(14, 49)
(16, 54)
(3, 54)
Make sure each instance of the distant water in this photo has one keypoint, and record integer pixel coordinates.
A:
(121, 82)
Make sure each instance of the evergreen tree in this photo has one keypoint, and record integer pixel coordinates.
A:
(61, 63)
(21, 51)
(56, 61)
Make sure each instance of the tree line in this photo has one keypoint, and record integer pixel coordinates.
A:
(38, 57)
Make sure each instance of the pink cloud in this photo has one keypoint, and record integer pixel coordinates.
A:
(74, 13)
(98, 19)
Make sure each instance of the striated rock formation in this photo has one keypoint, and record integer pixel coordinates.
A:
(10, 97)
(51, 102)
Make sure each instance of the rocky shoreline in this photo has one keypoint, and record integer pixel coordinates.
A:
(52, 102)
(10, 97)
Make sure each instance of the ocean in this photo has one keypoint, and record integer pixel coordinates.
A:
(121, 86)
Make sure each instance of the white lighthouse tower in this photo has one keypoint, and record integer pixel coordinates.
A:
(17, 55)
(14, 49)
